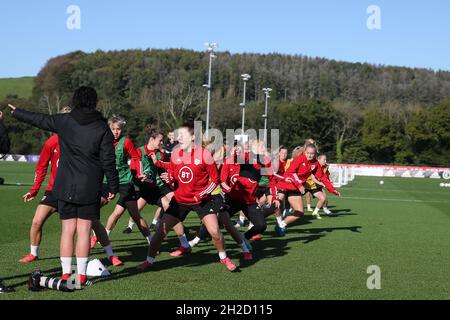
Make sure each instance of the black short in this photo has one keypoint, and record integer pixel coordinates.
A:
(180, 211)
(127, 192)
(289, 193)
(152, 195)
(236, 206)
(82, 211)
(49, 200)
(314, 191)
(263, 191)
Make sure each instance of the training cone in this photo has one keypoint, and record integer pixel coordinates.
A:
(96, 269)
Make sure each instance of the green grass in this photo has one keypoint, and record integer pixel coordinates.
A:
(22, 87)
(401, 226)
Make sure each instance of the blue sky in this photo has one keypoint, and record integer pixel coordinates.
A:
(413, 33)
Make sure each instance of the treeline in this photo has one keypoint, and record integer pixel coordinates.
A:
(357, 112)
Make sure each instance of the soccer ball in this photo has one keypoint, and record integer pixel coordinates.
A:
(381, 182)
(442, 184)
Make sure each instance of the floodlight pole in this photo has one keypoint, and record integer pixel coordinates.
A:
(211, 47)
(244, 77)
(266, 115)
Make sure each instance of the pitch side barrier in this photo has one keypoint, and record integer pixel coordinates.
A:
(342, 174)
(19, 158)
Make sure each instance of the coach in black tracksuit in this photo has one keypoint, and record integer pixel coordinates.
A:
(4, 139)
(86, 154)
(4, 148)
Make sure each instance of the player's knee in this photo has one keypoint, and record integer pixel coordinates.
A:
(37, 223)
(215, 234)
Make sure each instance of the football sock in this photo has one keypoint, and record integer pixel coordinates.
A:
(34, 250)
(184, 242)
(131, 224)
(222, 255)
(150, 259)
(155, 221)
(149, 238)
(279, 220)
(316, 211)
(109, 251)
(82, 265)
(66, 264)
(244, 247)
(194, 241)
(108, 232)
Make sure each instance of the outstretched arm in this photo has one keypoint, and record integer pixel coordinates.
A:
(39, 120)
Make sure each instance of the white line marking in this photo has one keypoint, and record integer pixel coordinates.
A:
(397, 200)
(440, 190)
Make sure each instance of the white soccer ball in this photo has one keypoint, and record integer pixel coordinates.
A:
(381, 182)
(442, 184)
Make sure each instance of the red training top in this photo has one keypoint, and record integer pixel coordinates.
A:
(49, 154)
(297, 173)
(193, 174)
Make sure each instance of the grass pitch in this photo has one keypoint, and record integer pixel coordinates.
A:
(401, 226)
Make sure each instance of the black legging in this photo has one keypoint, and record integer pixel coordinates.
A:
(253, 213)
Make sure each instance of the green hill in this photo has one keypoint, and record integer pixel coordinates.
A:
(23, 87)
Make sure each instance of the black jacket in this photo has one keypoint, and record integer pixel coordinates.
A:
(86, 153)
(4, 139)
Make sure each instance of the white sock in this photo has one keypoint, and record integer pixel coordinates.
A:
(150, 259)
(66, 264)
(155, 221)
(279, 220)
(309, 206)
(242, 218)
(149, 238)
(244, 247)
(222, 255)
(130, 224)
(316, 211)
(109, 251)
(250, 225)
(325, 209)
(82, 265)
(194, 242)
(184, 242)
(34, 250)
(282, 224)
(108, 232)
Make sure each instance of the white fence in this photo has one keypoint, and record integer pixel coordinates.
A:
(341, 174)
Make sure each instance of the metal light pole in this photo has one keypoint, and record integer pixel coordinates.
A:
(211, 46)
(244, 77)
(266, 115)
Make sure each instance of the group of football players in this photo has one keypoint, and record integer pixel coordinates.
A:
(184, 176)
